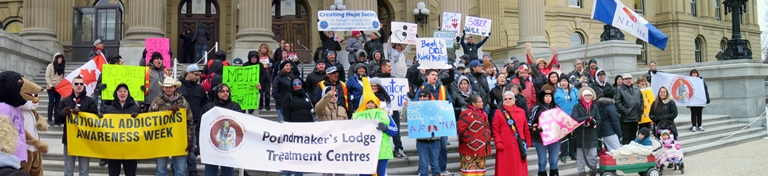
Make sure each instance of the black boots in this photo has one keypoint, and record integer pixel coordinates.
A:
(554, 173)
(543, 173)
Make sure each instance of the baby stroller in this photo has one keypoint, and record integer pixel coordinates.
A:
(669, 152)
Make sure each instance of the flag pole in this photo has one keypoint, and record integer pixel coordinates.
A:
(587, 47)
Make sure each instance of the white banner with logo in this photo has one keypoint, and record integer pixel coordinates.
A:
(685, 90)
(233, 139)
(347, 20)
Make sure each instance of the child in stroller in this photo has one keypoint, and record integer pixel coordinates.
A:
(670, 152)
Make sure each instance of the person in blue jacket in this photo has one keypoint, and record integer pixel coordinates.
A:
(566, 97)
(355, 85)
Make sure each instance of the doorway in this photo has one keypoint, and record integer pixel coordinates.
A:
(194, 14)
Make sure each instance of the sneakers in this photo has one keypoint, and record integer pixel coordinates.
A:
(103, 162)
(193, 173)
(399, 153)
(445, 173)
(700, 128)
(693, 129)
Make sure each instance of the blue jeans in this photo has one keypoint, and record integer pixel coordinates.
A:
(280, 117)
(179, 164)
(212, 170)
(381, 168)
(396, 139)
(428, 154)
(289, 173)
(541, 151)
(443, 158)
(200, 51)
(53, 101)
(191, 162)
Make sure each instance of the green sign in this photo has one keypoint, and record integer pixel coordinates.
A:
(133, 76)
(385, 151)
(242, 83)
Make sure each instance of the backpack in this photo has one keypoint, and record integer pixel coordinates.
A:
(210, 80)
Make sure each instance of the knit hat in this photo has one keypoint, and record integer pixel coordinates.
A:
(587, 92)
(282, 65)
(319, 61)
(644, 131)
(592, 61)
(376, 80)
(564, 77)
(487, 64)
(368, 95)
(460, 65)
(474, 64)
(155, 55)
(425, 91)
(377, 33)
(355, 33)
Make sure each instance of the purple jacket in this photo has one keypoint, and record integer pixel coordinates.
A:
(18, 121)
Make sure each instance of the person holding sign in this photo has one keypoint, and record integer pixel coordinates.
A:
(75, 103)
(376, 42)
(226, 135)
(172, 100)
(328, 41)
(439, 92)
(470, 48)
(474, 137)
(585, 136)
(696, 110)
(370, 109)
(428, 148)
(512, 138)
(547, 153)
(124, 104)
(398, 55)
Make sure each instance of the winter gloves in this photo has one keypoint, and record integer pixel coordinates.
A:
(174, 109)
(134, 114)
(382, 127)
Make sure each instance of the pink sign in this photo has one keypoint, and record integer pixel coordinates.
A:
(160, 45)
(555, 124)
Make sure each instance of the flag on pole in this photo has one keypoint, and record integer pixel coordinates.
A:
(614, 13)
(90, 72)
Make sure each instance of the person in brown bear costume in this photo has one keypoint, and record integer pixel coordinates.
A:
(9, 163)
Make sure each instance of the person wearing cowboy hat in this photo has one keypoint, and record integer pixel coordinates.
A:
(98, 48)
(170, 99)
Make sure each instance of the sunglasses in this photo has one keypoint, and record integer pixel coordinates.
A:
(508, 99)
(224, 91)
(424, 96)
(296, 83)
(79, 84)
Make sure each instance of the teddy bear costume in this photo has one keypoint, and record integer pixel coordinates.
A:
(33, 123)
(11, 82)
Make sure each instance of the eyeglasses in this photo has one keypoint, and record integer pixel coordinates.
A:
(224, 91)
(79, 84)
(508, 99)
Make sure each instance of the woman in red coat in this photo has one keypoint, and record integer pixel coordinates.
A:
(474, 137)
(507, 150)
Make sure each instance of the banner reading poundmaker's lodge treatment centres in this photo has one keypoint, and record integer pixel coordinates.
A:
(233, 139)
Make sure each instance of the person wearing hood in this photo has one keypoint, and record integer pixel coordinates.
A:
(617, 82)
(354, 84)
(664, 110)
(281, 87)
(374, 65)
(223, 99)
(376, 42)
(332, 61)
(510, 130)
(297, 105)
(565, 98)
(9, 163)
(360, 62)
(470, 48)
(370, 104)
(216, 65)
(629, 102)
(398, 55)
(585, 136)
(525, 81)
(54, 73)
(610, 128)
(98, 48)
(328, 41)
(123, 104)
(155, 73)
(171, 100)
(264, 62)
(579, 74)
(461, 94)
(547, 153)
(478, 80)
(696, 110)
(75, 103)
(355, 45)
(315, 77)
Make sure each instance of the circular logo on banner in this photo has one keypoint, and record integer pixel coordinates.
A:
(376, 24)
(323, 24)
(681, 90)
(226, 134)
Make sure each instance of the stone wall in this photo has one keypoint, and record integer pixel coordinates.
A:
(23, 56)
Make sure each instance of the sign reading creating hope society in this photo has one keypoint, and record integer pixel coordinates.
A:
(685, 90)
(430, 119)
(234, 139)
(133, 76)
(148, 135)
(397, 89)
(477, 26)
(242, 83)
(404, 33)
(347, 20)
(432, 53)
(555, 124)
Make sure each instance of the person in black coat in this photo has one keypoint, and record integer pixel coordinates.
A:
(585, 136)
(664, 111)
(317, 75)
(520, 100)
(281, 86)
(470, 48)
(297, 106)
(221, 97)
(75, 103)
(188, 53)
(328, 42)
(332, 61)
(265, 81)
(123, 104)
(376, 42)
(479, 80)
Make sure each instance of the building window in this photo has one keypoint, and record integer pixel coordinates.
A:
(574, 3)
(723, 45)
(693, 7)
(697, 46)
(14, 27)
(577, 39)
(717, 10)
(198, 7)
(643, 57)
(639, 6)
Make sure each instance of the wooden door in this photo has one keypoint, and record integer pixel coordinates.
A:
(210, 25)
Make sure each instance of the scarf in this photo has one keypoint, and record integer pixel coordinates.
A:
(586, 104)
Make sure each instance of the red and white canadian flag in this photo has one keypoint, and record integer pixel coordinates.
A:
(90, 72)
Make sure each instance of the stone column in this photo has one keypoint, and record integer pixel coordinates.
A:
(39, 23)
(493, 10)
(255, 27)
(531, 22)
(456, 6)
(147, 21)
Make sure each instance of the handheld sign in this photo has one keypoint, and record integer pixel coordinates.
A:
(477, 26)
(555, 124)
(397, 89)
(448, 36)
(432, 54)
(113, 75)
(428, 119)
(347, 20)
(404, 33)
(242, 83)
(451, 22)
(160, 45)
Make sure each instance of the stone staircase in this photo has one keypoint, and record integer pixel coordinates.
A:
(717, 127)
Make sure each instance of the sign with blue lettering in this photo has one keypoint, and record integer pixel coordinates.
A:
(347, 20)
(428, 119)
(432, 54)
(397, 88)
(477, 26)
(448, 36)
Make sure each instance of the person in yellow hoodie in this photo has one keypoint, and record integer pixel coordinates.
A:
(369, 109)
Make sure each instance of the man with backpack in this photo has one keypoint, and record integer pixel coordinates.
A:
(154, 74)
(213, 71)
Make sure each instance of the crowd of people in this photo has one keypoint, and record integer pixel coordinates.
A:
(491, 104)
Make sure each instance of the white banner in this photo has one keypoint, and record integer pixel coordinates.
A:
(432, 53)
(685, 90)
(233, 139)
(448, 36)
(404, 33)
(347, 20)
(477, 26)
(451, 22)
(397, 88)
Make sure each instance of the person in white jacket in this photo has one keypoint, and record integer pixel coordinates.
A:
(398, 55)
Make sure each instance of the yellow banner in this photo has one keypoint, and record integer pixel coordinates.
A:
(647, 101)
(120, 136)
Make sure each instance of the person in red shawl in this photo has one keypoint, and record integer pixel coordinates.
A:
(474, 137)
(510, 128)
(544, 66)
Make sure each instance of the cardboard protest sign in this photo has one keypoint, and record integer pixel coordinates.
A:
(430, 119)
(555, 124)
(451, 22)
(647, 101)
(234, 139)
(397, 89)
(477, 26)
(113, 75)
(347, 20)
(160, 45)
(242, 83)
(404, 33)
(99, 137)
(448, 36)
(432, 53)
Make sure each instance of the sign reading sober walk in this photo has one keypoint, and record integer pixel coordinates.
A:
(477, 26)
(148, 135)
(347, 20)
(432, 53)
(242, 83)
(113, 75)
(234, 139)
